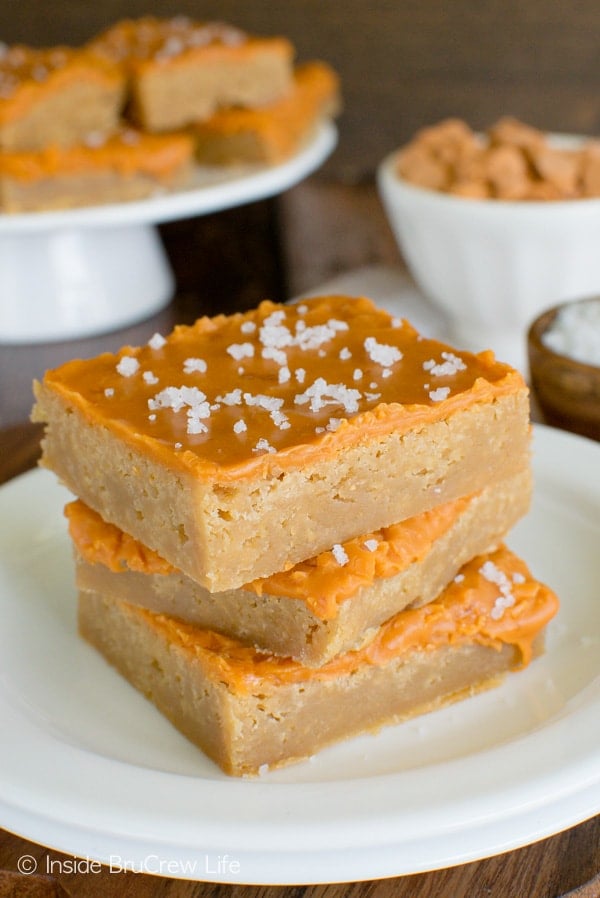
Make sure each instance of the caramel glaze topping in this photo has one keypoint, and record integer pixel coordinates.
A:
(279, 387)
(127, 152)
(27, 74)
(148, 40)
(102, 543)
(321, 582)
(493, 602)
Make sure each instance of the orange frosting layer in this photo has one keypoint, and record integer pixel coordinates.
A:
(321, 582)
(276, 388)
(28, 76)
(128, 152)
(102, 543)
(140, 44)
(283, 123)
(494, 602)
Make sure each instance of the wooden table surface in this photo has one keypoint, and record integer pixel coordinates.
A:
(278, 249)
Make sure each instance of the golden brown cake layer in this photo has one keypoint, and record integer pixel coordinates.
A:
(270, 134)
(182, 71)
(247, 710)
(318, 608)
(56, 96)
(245, 444)
(124, 166)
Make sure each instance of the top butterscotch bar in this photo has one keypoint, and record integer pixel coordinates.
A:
(182, 71)
(56, 96)
(246, 443)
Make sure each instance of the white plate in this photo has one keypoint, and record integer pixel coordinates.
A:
(87, 766)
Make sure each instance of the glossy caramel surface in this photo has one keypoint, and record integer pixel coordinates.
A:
(278, 387)
(127, 152)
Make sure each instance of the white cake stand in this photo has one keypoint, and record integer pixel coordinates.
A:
(82, 272)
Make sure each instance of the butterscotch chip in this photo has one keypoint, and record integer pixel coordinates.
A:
(451, 132)
(420, 167)
(128, 165)
(509, 131)
(56, 96)
(558, 168)
(270, 133)
(507, 172)
(246, 443)
(590, 169)
(181, 71)
(248, 711)
(319, 607)
(476, 190)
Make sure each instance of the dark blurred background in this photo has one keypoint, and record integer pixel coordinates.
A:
(404, 63)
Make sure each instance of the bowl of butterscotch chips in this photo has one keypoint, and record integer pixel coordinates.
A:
(496, 226)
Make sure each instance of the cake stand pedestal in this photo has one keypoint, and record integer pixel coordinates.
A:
(83, 272)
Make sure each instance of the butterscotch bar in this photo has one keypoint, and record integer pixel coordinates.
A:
(128, 165)
(321, 607)
(56, 96)
(246, 443)
(272, 133)
(249, 711)
(181, 71)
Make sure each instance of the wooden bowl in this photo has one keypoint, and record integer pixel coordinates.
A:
(567, 391)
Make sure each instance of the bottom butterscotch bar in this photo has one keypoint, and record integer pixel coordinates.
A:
(249, 711)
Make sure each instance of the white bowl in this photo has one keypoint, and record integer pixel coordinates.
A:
(492, 265)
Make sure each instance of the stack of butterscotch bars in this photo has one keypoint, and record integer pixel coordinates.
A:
(289, 525)
(126, 116)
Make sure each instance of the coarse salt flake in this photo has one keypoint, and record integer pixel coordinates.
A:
(492, 573)
(370, 545)
(284, 374)
(177, 398)
(234, 397)
(451, 365)
(240, 426)
(109, 392)
(321, 393)
(150, 377)
(440, 394)
(239, 351)
(357, 374)
(381, 353)
(156, 341)
(127, 365)
(263, 445)
(190, 365)
(248, 327)
(345, 354)
(340, 554)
